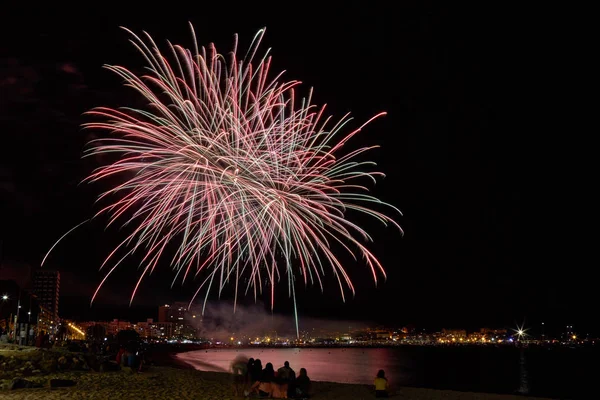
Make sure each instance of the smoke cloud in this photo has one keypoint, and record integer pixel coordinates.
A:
(220, 323)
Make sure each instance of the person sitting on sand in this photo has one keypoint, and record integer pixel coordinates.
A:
(249, 368)
(279, 389)
(239, 368)
(256, 371)
(302, 384)
(239, 365)
(285, 373)
(263, 387)
(285, 378)
(381, 384)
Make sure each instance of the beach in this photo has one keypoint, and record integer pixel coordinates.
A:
(171, 382)
(170, 379)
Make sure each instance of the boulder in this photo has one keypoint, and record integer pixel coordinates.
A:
(55, 383)
(19, 383)
(48, 365)
(108, 366)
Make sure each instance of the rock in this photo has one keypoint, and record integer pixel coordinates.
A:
(54, 383)
(107, 366)
(19, 383)
(48, 365)
(92, 362)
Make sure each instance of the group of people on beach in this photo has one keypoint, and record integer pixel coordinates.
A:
(253, 380)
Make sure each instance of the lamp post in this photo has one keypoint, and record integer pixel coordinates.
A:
(4, 300)
(17, 316)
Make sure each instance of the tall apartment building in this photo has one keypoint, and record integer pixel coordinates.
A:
(184, 321)
(46, 287)
(163, 313)
(177, 312)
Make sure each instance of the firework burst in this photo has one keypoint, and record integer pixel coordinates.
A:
(226, 162)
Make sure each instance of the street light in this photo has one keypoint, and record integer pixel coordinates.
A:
(4, 299)
(521, 332)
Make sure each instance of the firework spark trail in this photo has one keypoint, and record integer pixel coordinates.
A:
(227, 162)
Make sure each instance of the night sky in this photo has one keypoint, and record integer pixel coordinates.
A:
(457, 147)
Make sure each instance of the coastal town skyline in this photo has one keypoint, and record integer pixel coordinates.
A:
(217, 319)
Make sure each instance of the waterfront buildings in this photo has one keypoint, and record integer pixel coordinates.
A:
(46, 287)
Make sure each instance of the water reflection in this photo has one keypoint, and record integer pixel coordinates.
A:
(334, 365)
(545, 372)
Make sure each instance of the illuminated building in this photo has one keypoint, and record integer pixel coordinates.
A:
(114, 326)
(46, 287)
(21, 313)
(74, 331)
(493, 332)
(44, 320)
(163, 313)
(185, 321)
(455, 333)
(155, 330)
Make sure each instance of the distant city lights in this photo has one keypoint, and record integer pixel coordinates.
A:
(76, 329)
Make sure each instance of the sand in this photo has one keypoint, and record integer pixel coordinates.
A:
(175, 383)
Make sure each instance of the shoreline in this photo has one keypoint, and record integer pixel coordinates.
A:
(170, 377)
(170, 359)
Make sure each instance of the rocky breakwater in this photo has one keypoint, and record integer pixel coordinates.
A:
(24, 367)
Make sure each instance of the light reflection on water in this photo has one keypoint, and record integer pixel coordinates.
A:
(334, 365)
(536, 371)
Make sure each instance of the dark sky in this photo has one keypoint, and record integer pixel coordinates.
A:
(457, 147)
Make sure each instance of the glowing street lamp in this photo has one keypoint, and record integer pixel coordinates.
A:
(4, 299)
(521, 333)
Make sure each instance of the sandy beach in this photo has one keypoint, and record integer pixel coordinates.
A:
(170, 382)
(170, 379)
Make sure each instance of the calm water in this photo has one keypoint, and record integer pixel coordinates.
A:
(559, 372)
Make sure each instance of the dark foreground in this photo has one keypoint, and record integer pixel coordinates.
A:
(172, 383)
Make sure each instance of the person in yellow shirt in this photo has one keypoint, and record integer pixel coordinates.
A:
(381, 384)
